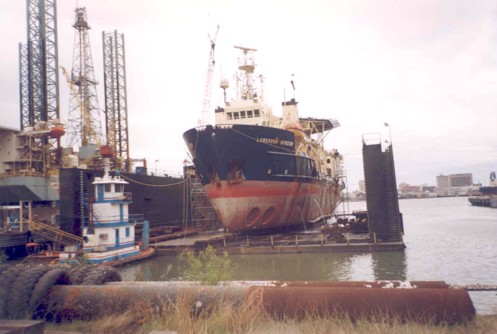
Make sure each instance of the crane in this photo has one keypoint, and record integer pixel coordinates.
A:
(206, 102)
(88, 132)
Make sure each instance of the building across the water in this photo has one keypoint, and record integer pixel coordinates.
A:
(454, 184)
(454, 180)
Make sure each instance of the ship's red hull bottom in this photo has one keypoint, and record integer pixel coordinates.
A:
(251, 205)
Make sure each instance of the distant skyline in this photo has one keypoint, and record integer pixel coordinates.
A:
(426, 67)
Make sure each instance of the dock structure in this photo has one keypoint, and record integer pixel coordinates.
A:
(384, 217)
(313, 241)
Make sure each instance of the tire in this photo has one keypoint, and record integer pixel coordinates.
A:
(79, 273)
(21, 291)
(7, 278)
(101, 275)
(37, 304)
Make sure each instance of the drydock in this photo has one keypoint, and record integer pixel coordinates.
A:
(378, 229)
(313, 241)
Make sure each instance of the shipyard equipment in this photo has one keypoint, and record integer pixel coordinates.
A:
(116, 102)
(384, 217)
(206, 102)
(39, 139)
(84, 127)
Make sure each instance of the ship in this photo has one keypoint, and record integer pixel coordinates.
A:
(261, 171)
(486, 196)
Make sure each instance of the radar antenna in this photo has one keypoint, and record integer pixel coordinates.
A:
(247, 66)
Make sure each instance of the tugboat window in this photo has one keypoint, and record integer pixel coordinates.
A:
(119, 188)
(242, 114)
(257, 113)
(230, 115)
(108, 188)
(235, 114)
(250, 114)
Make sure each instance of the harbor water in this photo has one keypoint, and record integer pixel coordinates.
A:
(446, 239)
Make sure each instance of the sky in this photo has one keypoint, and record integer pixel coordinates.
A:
(428, 68)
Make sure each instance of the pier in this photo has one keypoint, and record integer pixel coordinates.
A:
(313, 241)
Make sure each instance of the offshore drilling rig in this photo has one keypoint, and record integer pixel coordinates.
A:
(37, 150)
(38, 161)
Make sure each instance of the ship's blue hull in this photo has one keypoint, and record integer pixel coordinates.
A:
(255, 180)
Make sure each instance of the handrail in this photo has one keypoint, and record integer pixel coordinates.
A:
(38, 226)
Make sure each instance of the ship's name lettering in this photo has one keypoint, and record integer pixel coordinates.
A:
(274, 141)
(286, 143)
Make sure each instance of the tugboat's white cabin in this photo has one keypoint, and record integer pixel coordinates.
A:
(107, 232)
(108, 225)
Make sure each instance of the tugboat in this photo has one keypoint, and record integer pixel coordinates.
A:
(261, 171)
(109, 231)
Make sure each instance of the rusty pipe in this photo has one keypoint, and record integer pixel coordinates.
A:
(345, 284)
(429, 305)
(421, 304)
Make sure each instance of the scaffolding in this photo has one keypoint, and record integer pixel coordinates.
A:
(203, 214)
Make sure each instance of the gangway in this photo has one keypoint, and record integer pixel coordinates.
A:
(53, 233)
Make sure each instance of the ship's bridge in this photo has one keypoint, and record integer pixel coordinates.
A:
(248, 112)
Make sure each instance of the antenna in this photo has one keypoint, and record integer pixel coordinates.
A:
(247, 66)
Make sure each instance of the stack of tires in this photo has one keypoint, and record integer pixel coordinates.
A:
(24, 289)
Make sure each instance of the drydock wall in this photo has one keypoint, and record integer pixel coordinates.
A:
(385, 220)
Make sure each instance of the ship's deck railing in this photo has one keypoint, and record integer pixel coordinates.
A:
(20, 173)
(131, 218)
(136, 218)
(160, 173)
(54, 233)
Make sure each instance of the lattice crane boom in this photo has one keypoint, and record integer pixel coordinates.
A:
(88, 131)
(206, 102)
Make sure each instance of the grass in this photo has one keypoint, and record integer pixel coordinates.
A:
(228, 318)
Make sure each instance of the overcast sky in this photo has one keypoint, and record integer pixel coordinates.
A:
(427, 67)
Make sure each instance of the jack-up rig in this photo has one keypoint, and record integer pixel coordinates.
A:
(48, 176)
(36, 151)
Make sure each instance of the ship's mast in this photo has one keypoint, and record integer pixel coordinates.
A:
(246, 65)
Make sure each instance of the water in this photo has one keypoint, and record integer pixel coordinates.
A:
(447, 239)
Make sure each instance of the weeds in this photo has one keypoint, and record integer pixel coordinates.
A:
(207, 267)
(226, 317)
